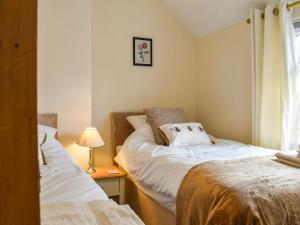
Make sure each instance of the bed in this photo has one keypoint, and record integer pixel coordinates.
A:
(157, 178)
(68, 195)
(149, 210)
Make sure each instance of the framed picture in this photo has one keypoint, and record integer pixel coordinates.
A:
(142, 51)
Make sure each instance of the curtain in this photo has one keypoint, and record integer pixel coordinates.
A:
(291, 88)
(276, 108)
(257, 32)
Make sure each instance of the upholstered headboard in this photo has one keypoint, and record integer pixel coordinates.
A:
(120, 128)
(48, 119)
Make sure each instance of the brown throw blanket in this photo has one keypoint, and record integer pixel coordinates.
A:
(240, 192)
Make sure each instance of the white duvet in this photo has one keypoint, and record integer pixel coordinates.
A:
(70, 197)
(99, 212)
(61, 180)
(159, 170)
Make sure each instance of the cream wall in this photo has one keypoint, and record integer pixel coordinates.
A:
(64, 67)
(225, 82)
(85, 69)
(296, 13)
(119, 86)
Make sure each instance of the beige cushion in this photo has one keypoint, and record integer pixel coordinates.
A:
(157, 117)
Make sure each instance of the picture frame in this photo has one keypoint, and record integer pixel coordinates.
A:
(142, 51)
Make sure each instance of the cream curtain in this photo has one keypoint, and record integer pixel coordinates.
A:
(257, 31)
(276, 108)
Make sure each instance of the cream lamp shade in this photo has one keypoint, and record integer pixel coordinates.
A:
(91, 138)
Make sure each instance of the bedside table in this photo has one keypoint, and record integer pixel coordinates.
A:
(113, 184)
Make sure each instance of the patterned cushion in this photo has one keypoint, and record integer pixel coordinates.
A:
(42, 137)
(184, 134)
(157, 117)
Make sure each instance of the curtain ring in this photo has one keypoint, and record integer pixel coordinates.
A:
(276, 11)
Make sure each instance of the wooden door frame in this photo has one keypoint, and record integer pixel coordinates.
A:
(19, 176)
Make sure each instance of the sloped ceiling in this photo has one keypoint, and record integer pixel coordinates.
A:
(203, 17)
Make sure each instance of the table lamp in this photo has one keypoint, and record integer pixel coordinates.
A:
(91, 138)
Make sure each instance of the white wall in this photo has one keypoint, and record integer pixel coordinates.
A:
(67, 34)
(117, 85)
(296, 13)
(85, 69)
(225, 83)
(64, 67)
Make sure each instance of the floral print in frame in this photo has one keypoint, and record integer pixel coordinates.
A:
(142, 51)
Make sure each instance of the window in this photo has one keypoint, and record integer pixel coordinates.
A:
(297, 51)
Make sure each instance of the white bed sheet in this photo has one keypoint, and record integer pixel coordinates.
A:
(99, 212)
(159, 170)
(62, 181)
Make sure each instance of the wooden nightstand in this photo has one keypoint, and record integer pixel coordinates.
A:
(112, 184)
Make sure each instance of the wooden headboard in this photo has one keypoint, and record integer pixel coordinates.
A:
(120, 128)
(48, 119)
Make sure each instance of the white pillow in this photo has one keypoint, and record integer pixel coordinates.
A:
(137, 121)
(146, 131)
(42, 137)
(184, 134)
(50, 131)
(141, 125)
(40, 158)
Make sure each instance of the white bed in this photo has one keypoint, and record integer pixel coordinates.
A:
(159, 170)
(62, 180)
(69, 196)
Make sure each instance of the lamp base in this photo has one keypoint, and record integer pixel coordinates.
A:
(90, 170)
(91, 164)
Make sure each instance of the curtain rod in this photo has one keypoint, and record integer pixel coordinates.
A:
(293, 4)
(276, 10)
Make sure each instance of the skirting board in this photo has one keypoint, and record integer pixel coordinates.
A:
(151, 212)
